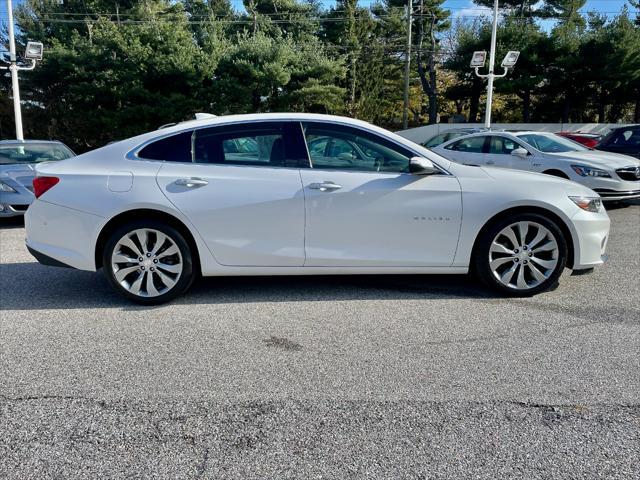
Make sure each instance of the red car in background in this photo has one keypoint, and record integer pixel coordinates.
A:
(589, 140)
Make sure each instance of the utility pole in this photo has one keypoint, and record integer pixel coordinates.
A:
(13, 68)
(33, 52)
(407, 66)
(492, 60)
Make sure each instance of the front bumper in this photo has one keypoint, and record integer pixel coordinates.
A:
(591, 237)
(613, 195)
(611, 189)
(12, 210)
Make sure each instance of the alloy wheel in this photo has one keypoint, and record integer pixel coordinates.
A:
(523, 255)
(146, 262)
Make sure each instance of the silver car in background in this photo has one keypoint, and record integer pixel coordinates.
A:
(450, 135)
(18, 160)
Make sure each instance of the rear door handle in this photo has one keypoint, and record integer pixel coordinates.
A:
(490, 162)
(325, 186)
(192, 182)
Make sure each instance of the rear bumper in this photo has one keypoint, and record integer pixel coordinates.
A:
(62, 235)
(45, 259)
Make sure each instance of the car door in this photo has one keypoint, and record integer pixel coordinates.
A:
(371, 211)
(240, 186)
(468, 150)
(499, 153)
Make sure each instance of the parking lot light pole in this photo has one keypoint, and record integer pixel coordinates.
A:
(33, 53)
(478, 60)
(13, 68)
(407, 67)
(492, 60)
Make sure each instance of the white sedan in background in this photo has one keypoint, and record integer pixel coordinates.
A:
(613, 176)
(302, 194)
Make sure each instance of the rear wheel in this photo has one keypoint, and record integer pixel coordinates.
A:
(521, 255)
(148, 262)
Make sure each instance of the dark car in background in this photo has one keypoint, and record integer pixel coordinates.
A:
(625, 140)
(18, 160)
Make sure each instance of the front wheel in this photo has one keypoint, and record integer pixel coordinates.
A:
(148, 262)
(522, 255)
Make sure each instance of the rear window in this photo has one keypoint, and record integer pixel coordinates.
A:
(33, 153)
(176, 148)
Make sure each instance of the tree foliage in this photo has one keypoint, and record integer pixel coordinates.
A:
(115, 69)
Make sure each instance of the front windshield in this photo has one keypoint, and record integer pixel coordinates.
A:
(33, 153)
(551, 143)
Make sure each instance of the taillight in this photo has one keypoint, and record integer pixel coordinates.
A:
(42, 184)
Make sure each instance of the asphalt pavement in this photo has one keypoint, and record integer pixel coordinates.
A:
(327, 377)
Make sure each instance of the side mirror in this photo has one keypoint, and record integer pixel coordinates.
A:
(422, 166)
(520, 152)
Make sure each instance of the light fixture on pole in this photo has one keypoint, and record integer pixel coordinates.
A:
(478, 59)
(33, 53)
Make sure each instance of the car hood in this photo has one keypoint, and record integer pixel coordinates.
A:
(23, 173)
(597, 158)
(535, 181)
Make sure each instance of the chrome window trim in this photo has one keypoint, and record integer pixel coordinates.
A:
(133, 153)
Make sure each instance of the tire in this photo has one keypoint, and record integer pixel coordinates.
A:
(515, 268)
(166, 258)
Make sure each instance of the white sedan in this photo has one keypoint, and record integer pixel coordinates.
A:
(302, 194)
(613, 176)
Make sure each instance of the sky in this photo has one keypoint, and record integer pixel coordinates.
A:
(459, 8)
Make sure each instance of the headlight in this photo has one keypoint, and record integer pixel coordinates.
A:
(590, 204)
(6, 188)
(585, 171)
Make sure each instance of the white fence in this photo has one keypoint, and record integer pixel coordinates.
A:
(422, 134)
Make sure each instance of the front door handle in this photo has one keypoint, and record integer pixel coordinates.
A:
(325, 186)
(490, 162)
(192, 182)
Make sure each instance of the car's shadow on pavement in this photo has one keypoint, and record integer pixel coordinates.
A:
(11, 222)
(623, 204)
(31, 286)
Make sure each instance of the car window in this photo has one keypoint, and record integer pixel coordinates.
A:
(318, 146)
(33, 153)
(471, 145)
(176, 148)
(269, 144)
(348, 148)
(437, 140)
(630, 137)
(253, 149)
(502, 145)
(551, 143)
(252, 145)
